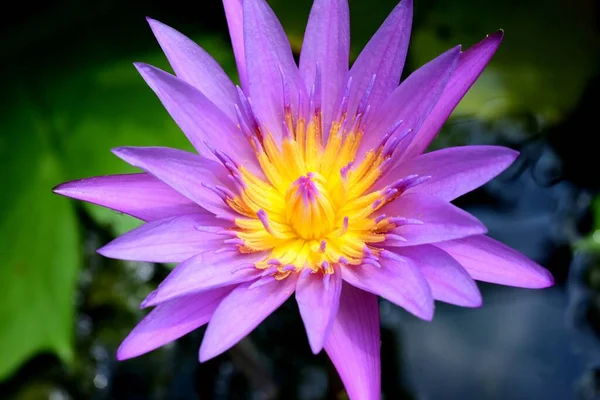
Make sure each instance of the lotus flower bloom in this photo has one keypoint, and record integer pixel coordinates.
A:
(308, 180)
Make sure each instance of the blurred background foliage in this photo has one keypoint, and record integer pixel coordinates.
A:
(70, 94)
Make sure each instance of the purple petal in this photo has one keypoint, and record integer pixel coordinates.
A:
(383, 56)
(318, 306)
(327, 44)
(173, 239)
(448, 280)
(189, 174)
(471, 64)
(454, 171)
(241, 312)
(205, 271)
(171, 321)
(354, 346)
(441, 220)
(140, 195)
(397, 281)
(195, 66)
(491, 261)
(268, 56)
(235, 21)
(202, 121)
(411, 102)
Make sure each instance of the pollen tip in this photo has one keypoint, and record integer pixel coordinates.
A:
(223, 250)
(393, 236)
(269, 271)
(345, 225)
(242, 267)
(261, 282)
(345, 169)
(236, 241)
(323, 246)
(380, 218)
(372, 261)
(305, 273)
(223, 232)
(287, 134)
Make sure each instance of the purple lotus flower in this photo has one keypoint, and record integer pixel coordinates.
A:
(311, 180)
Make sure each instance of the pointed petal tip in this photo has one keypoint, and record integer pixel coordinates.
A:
(147, 302)
(426, 314)
(61, 189)
(316, 348)
(142, 67)
(407, 5)
(471, 302)
(498, 35)
(147, 70)
(511, 153)
(104, 251)
(109, 250)
(491, 41)
(156, 26)
(121, 152)
(123, 352)
(545, 279)
(69, 189)
(205, 354)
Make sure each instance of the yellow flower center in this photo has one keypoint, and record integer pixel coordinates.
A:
(313, 210)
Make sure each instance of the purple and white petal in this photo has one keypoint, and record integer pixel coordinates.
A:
(169, 240)
(206, 271)
(269, 64)
(383, 57)
(205, 125)
(318, 299)
(353, 345)
(410, 103)
(454, 171)
(397, 281)
(199, 179)
(448, 280)
(327, 45)
(491, 261)
(170, 321)
(194, 65)
(235, 22)
(431, 220)
(140, 195)
(241, 312)
(471, 64)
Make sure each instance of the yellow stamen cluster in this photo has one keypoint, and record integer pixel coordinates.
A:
(313, 211)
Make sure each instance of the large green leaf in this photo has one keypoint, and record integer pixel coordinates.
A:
(59, 130)
(39, 246)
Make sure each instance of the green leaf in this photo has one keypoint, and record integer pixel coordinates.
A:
(40, 247)
(56, 128)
